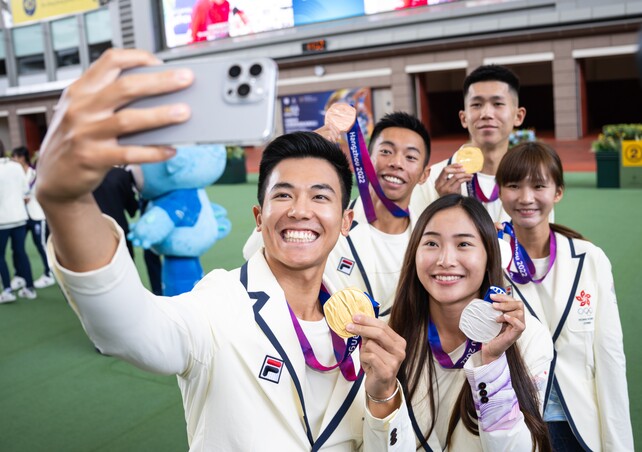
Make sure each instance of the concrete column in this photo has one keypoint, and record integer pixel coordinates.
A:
(401, 85)
(566, 100)
(15, 129)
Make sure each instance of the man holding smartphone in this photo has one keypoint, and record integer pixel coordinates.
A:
(245, 379)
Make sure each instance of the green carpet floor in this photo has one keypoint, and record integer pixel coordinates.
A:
(58, 394)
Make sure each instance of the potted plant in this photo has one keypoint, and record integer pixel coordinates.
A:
(521, 136)
(235, 171)
(607, 149)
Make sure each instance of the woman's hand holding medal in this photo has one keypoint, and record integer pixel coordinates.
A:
(512, 318)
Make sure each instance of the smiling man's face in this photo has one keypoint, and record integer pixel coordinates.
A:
(490, 114)
(399, 159)
(302, 215)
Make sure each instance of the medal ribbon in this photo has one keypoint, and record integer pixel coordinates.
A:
(525, 267)
(366, 174)
(342, 350)
(443, 357)
(472, 347)
(32, 183)
(474, 190)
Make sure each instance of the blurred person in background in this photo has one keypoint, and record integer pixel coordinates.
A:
(13, 225)
(115, 197)
(36, 223)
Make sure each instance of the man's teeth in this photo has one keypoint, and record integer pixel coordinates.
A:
(393, 179)
(447, 277)
(299, 236)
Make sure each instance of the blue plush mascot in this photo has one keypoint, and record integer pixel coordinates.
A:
(180, 223)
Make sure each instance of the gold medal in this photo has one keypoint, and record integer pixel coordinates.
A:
(470, 157)
(342, 306)
(341, 115)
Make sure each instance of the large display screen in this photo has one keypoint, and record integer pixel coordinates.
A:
(189, 21)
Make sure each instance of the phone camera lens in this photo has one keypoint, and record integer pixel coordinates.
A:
(243, 89)
(256, 69)
(234, 71)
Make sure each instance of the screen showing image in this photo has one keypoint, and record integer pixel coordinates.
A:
(313, 11)
(381, 6)
(190, 21)
(306, 112)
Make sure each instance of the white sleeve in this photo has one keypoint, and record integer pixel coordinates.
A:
(536, 347)
(610, 364)
(393, 433)
(25, 184)
(125, 320)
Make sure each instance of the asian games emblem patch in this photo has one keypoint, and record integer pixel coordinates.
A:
(271, 369)
(345, 265)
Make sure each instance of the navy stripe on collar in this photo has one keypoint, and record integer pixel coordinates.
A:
(362, 269)
(569, 419)
(415, 426)
(524, 300)
(340, 414)
(571, 298)
(262, 298)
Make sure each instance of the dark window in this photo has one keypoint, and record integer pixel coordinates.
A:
(67, 57)
(95, 50)
(31, 64)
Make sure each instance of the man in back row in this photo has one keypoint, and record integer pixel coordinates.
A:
(491, 112)
(236, 341)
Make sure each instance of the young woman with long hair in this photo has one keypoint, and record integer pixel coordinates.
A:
(464, 395)
(567, 283)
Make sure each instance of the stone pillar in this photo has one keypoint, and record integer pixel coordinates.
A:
(565, 92)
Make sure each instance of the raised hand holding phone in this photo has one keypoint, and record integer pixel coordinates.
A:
(81, 146)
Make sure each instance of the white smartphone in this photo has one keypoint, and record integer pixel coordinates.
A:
(232, 102)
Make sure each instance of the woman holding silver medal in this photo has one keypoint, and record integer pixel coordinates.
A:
(472, 367)
(566, 282)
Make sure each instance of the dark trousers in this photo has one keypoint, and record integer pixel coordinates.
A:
(562, 437)
(154, 266)
(39, 236)
(23, 267)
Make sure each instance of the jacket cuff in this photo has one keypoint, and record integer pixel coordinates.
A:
(495, 400)
(395, 429)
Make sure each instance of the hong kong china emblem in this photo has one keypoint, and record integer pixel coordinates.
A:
(584, 308)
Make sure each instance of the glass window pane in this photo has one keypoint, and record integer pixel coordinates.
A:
(66, 42)
(65, 33)
(98, 26)
(28, 40)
